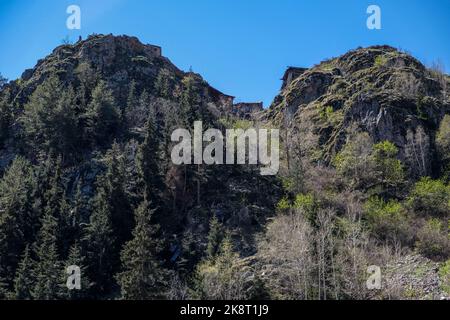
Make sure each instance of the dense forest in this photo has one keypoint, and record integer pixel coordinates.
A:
(86, 179)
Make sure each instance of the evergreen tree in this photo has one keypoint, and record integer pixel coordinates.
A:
(132, 102)
(163, 84)
(111, 221)
(49, 119)
(4, 293)
(24, 281)
(102, 115)
(100, 240)
(223, 277)
(16, 217)
(48, 265)
(190, 255)
(190, 101)
(66, 138)
(148, 160)
(215, 237)
(118, 198)
(44, 173)
(55, 192)
(3, 81)
(143, 277)
(6, 117)
(78, 212)
(58, 207)
(137, 108)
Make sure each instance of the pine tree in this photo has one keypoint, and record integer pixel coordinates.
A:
(58, 207)
(78, 212)
(48, 265)
(190, 255)
(118, 198)
(56, 191)
(6, 117)
(111, 221)
(49, 119)
(215, 237)
(100, 240)
(24, 281)
(102, 115)
(223, 277)
(143, 277)
(148, 160)
(16, 218)
(190, 101)
(4, 293)
(163, 84)
(66, 138)
(3, 81)
(132, 102)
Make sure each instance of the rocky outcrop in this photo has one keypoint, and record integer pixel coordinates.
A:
(247, 110)
(379, 90)
(118, 60)
(413, 277)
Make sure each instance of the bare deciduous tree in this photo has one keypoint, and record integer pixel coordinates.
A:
(286, 256)
(417, 151)
(438, 72)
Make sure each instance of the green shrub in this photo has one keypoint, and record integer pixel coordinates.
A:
(307, 204)
(330, 116)
(326, 113)
(304, 201)
(444, 273)
(380, 61)
(389, 169)
(430, 197)
(433, 241)
(283, 204)
(388, 220)
(371, 167)
(443, 144)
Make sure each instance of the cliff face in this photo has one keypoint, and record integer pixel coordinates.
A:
(377, 90)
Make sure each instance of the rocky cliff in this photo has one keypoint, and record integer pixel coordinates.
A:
(378, 90)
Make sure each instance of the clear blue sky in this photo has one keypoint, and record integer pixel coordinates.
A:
(241, 47)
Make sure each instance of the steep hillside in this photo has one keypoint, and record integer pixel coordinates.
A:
(86, 179)
(91, 124)
(378, 90)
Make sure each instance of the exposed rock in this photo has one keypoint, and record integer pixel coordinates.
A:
(247, 110)
(378, 90)
(413, 277)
